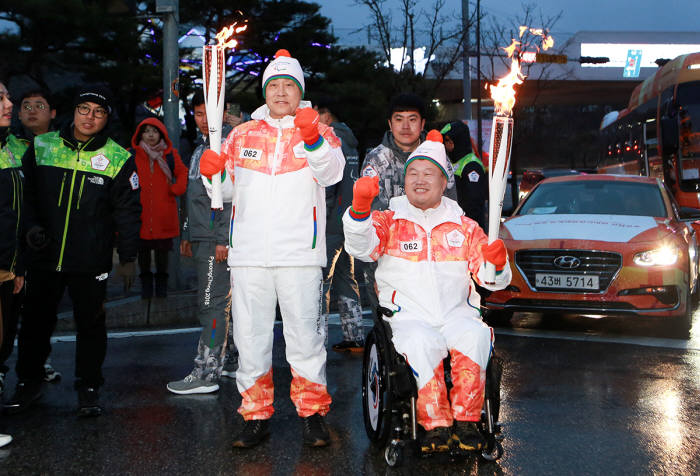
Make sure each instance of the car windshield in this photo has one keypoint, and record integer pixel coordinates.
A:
(596, 197)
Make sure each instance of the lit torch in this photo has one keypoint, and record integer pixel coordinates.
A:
(503, 96)
(214, 77)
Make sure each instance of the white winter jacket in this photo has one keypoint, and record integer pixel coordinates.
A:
(278, 215)
(425, 259)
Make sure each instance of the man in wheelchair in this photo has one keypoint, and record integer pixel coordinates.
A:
(427, 250)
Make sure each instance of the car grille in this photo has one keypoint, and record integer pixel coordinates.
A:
(600, 263)
(544, 304)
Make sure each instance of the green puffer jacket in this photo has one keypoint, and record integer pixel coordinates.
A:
(86, 196)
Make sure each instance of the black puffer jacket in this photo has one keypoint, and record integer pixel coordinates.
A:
(84, 195)
(10, 208)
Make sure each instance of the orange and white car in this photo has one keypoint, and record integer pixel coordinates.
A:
(600, 245)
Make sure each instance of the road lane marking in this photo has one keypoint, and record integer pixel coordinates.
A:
(334, 319)
(630, 340)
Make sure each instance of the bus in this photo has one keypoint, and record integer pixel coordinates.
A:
(658, 133)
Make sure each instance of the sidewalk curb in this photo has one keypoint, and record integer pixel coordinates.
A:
(179, 309)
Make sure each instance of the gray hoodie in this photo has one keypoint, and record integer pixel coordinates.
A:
(339, 196)
(197, 224)
(387, 161)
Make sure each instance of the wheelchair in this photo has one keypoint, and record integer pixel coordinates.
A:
(389, 394)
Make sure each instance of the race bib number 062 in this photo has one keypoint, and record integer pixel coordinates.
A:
(414, 246)
(251, 154)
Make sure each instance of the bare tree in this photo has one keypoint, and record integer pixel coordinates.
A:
(441, 33)
(500, 34)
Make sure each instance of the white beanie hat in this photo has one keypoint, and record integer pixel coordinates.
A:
(284, 66)
(431, 149)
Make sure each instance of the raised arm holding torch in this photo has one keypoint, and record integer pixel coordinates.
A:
(503, 95)
(214, 78)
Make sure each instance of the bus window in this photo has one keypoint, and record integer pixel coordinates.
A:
(689, 132)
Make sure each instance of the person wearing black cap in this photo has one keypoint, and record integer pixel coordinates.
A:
(470, 175)
(81, 191)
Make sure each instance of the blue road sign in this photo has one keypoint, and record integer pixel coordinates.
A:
(634, 60)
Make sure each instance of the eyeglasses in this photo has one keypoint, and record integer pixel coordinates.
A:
(84, 110)
(29, 107)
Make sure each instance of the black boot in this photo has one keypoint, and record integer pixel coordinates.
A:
(253, 433)
(161, 285)
(315, 431)
(26, 393)
(146, 285)
(88, 402)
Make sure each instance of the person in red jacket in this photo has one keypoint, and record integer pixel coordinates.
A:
(162, 177)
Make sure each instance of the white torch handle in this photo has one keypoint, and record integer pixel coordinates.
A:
(214, 104)
(498, 178)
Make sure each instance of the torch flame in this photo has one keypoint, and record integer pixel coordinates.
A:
(503, 93)
(547, 40)
(224, 36)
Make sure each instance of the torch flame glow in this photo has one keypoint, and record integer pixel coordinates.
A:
(503, 93)
(547, 40)
(224, 36)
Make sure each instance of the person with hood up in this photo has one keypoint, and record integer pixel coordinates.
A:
(162, 177)
(427, 253)
(276, 167)
(340, 268)
(81, 196)
(470, 175)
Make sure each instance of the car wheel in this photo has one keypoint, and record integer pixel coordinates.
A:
(685, 321)
(498, 318)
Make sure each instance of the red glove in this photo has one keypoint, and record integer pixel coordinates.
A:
(496, 254)
(306, 120)
(363, 193)
(211, 163)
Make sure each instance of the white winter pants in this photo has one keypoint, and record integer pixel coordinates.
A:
(255, 291)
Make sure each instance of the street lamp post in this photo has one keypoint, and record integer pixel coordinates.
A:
(466, 77)
(171, 101)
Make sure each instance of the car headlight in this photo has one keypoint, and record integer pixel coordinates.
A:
(663, 256)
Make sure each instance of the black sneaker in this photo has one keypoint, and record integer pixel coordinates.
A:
(466, 436)
(26, 393)
(253, 433)
(349, 346)
(315, 431)
(436, 440)
(88, 402)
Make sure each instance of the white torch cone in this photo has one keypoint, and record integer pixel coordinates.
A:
(213, 72)
(499, 156)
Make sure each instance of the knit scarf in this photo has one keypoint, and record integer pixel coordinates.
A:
(155, 154)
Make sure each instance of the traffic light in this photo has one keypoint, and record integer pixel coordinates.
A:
(594, 59)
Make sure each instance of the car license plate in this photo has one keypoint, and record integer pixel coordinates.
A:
(566, 281)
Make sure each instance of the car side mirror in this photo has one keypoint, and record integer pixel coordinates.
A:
(689, 213)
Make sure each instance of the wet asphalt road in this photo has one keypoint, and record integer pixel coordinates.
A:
(578, 397)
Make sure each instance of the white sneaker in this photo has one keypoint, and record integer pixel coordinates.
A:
(191, 385)
(4, 440)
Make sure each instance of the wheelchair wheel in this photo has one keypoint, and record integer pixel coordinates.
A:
(489, 425)
(393, 454)
(376, 391)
